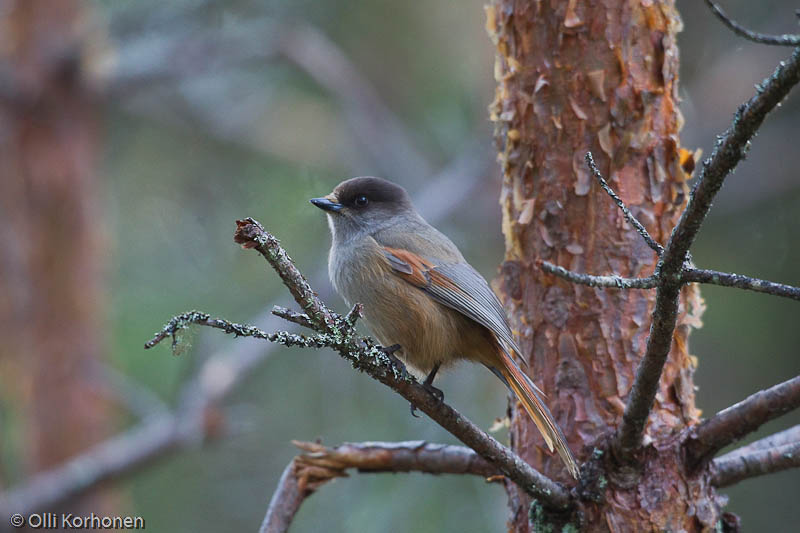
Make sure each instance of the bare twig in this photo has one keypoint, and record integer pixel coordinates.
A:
(365, 356)
(733, 468)
(733, 423)
(730, 149)
(307, 472)
(285, 501)
(184, 320)
(292, 316)
(726, 279)
(787, 436)
(640, 229)
(762, 38)
(612, 282)
(689, 275)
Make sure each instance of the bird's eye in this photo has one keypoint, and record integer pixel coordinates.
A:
(361, 201)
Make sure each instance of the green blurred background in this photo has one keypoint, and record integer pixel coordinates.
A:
(232, 128)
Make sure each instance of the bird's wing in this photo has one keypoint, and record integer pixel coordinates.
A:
(458, 286)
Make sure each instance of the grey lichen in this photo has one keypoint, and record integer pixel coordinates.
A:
(542, 522)
(538, 519)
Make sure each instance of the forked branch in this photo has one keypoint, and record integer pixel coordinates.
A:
(674, 268)
(730, 149)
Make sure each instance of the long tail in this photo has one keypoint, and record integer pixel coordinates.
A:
(530, 397)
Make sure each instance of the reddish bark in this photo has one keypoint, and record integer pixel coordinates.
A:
(51, 272)
(601, 76)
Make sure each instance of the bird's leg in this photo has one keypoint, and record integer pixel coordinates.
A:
(428, 385)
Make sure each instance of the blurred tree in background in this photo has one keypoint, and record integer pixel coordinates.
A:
(53, 283)
(209, 111)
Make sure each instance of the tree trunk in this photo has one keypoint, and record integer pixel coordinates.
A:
(573, 77)
(51, 271)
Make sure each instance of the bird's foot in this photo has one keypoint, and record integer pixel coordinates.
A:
(433, 391)
(436, 393)
(428, 383)
(390, 351)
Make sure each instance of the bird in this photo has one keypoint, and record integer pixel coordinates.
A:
(420, 297)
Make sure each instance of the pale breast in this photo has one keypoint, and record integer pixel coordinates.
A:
(395, 311)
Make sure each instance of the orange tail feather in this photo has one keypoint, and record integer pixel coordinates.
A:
(530, 397)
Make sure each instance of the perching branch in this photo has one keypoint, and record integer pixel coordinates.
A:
(733, 423)
(730, 149)
(762, 38)
(307, 472)
(733, 468)
(335, 332)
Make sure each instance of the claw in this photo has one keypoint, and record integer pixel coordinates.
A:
(437, 393)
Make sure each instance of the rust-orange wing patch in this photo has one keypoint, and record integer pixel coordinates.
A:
(409, 266)
(456, 285)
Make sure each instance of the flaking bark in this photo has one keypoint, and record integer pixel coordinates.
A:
(601, 76)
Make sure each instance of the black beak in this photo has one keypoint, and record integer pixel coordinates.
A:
(326, 205)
